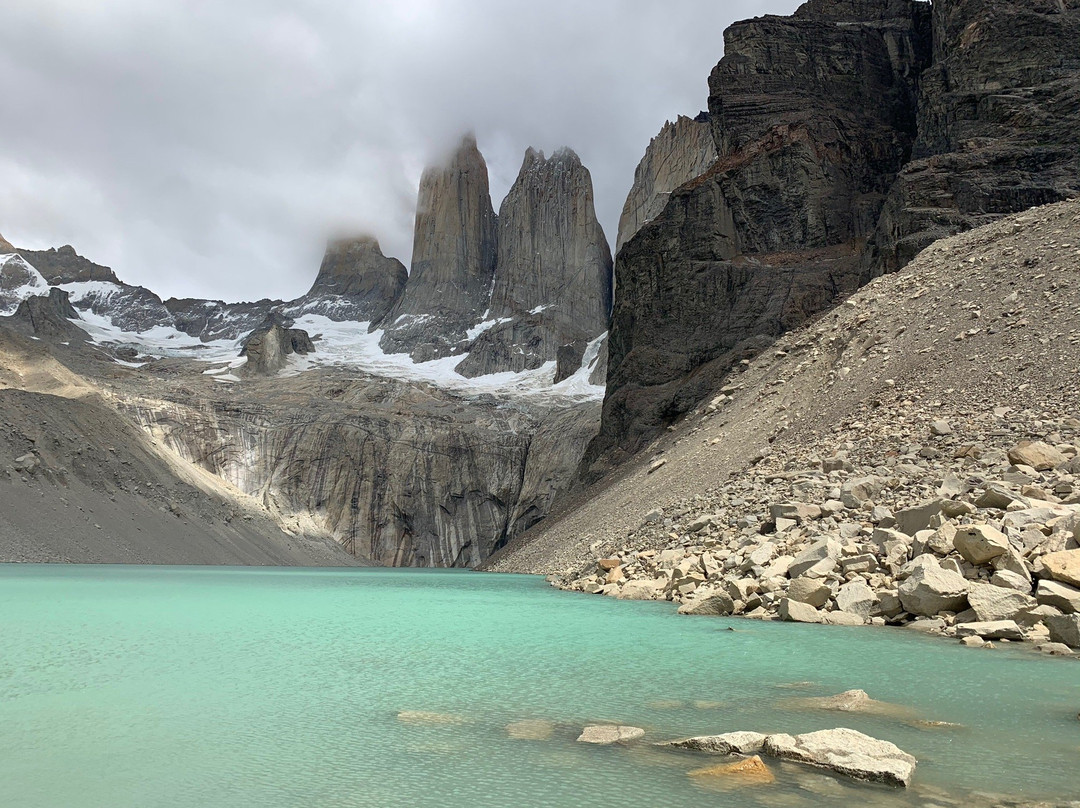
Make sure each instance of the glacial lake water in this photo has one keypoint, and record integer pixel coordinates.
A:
(210, 687)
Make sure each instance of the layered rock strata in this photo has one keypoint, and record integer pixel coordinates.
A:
(680, 152)
(999, 123)
(812, 115)
(552, 283)
(453, 263)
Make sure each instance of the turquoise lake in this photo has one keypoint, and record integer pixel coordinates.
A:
(208, 687)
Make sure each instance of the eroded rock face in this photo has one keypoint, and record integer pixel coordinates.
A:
(64, 265)
(48, 316)
(356, 282)
(454, 256)
(813, 115)
(17, 281)
(404, 474)
(269, 346)
(553, 276)
(999, 123)
(681, 151)
(5, 246)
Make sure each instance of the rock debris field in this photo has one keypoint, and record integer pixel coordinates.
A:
(910, 459)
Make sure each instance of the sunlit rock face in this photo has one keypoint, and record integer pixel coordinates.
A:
(681, 151)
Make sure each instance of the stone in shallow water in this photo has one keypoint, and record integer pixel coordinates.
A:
(846, 752)
(530, 730)
(730, 743)
(851, 701)
(608, 734)
(749, 771)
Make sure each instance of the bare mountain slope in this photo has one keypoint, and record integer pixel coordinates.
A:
(979, 321)
(79, 483)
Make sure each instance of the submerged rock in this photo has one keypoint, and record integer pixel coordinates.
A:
(428, 717)
(851, 701)
(605, 734)
(531, 730)
(751, 770)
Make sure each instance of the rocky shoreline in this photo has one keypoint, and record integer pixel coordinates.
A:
(969, 533)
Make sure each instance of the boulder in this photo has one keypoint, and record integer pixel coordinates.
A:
(798, 511)
(606, 734)
(730, 743)
(797, 612)
(1040, 456)
(824, 550)
(992, 603)
(647, 589)
(751, 770)
(980, 544)
(857, 598)
(854, 493)
(709, 601)
(912, 520)
(1063, 566)
(996, 496)
(1059, 595)
(929, 589)
(842, 618)
(809, 590)
(846, 752)
(1065, 629)
(991, 630)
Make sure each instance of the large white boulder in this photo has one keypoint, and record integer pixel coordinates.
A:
(929, 589)
(847, 752)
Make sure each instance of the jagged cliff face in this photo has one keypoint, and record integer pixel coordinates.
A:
(813, 116)
(358, 280)
(999, 123)
(553, 278)
(681, 151)
(64, 265)
(454, 255)
(407, 475)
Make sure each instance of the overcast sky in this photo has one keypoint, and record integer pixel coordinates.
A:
(208, 147)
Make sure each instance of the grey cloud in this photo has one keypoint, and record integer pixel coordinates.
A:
(208, 148)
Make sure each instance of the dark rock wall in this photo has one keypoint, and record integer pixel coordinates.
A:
(813, 116)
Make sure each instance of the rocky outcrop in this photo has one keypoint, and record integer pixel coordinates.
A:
(216, 319)
(553, 276)
(405, 474)
(269, 346)
(18, 280)
(813, 115)
(355, 282)
(454, 255)
(999, 123)
(130, 308)
(681, 151)
(5, 246)
(47, 317)
(64, 265)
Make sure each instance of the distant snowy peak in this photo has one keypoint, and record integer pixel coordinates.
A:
(18, 281)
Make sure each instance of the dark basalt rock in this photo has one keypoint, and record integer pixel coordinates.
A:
(48, 317)
(216, 319)
(999, 124)
(568, 359)
(454, 255)
(268, 347)
(355, 282)
(813, 116)
(64, 265)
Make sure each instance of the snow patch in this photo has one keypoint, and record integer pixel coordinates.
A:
(487, 325)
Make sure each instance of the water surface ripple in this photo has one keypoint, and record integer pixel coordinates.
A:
(210, 687)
